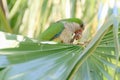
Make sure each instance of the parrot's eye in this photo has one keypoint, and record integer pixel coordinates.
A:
(82, 26)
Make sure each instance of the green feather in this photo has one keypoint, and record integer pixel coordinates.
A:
(76, 20)
(52, 30)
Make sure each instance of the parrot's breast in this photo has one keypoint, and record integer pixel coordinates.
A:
(66, 36)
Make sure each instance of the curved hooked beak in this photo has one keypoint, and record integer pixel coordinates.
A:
(78, 34)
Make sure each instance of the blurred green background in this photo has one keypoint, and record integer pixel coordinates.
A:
(30, 18)
(99, 60)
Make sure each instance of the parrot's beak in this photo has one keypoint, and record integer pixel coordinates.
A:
(78, 34)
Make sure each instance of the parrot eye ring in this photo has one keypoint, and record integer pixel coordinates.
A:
(82, 26)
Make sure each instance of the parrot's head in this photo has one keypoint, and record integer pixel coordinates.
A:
(76, 26)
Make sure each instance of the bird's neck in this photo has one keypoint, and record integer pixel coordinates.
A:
(72, 26)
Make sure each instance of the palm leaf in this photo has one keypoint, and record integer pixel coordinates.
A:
(4, 22)
(47, 60)
(31, 60)
(99, 56)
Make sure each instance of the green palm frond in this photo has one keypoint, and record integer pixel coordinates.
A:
(98, 61)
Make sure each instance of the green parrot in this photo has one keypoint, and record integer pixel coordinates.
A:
(64, 31)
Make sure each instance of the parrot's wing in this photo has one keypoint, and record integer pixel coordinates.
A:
(53, 31)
